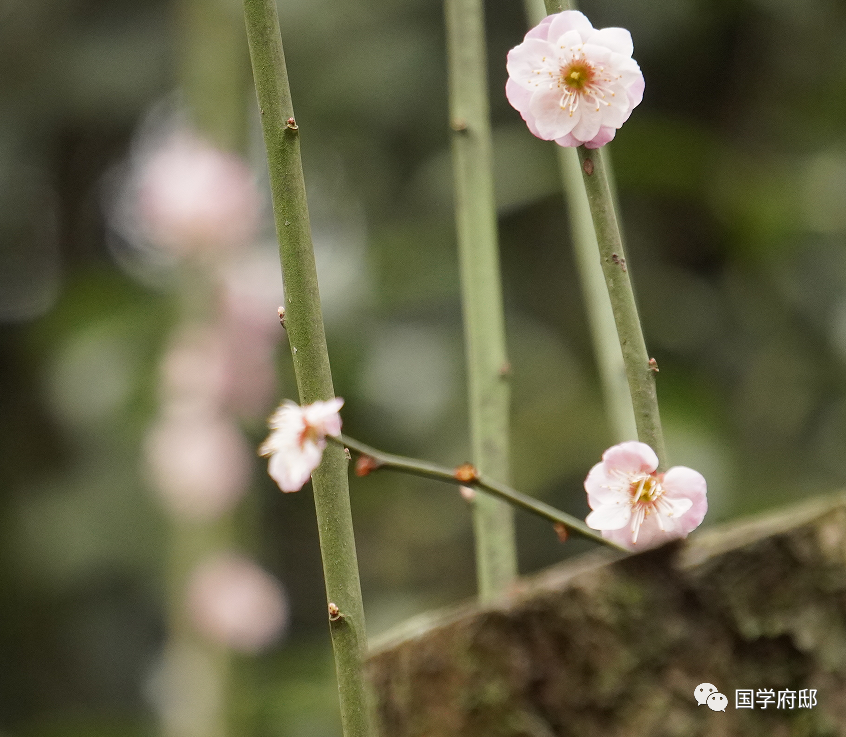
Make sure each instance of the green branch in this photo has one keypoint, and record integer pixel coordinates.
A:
(640, 374)
(484, 322)
(603, 330)
(639, 370)
(304, 323)
(606, 345)
(468, 476)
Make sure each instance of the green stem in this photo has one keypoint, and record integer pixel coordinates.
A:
(640, 374)
(494, 488)
(606, 346)
(304, 322)
(484, 322)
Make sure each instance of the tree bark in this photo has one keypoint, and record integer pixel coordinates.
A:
(611, 647)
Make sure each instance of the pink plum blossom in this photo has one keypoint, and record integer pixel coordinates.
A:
(638, 508)
(572, 83)
(297, 439)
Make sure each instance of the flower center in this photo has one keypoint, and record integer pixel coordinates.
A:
(645, 489)
(309, 433)
(577, 75)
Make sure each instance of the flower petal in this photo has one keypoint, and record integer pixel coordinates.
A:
(616, 39)
(605, 487)
(517, 95)
(605, 135)
(568, 141)
(569, 20)
(609, 517)
(631, 457)
(529, 63)
(291, 469)
(590, 121)
(541, 30)
(681, 482)
(324, 417)
(551, 120)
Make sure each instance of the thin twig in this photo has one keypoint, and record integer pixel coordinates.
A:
(467, 476)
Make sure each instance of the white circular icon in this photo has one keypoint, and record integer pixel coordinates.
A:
(703, 691)
(717, 702)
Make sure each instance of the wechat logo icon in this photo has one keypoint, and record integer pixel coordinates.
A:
(707, 693)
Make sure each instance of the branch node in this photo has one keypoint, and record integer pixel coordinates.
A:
(467, 473)
(366, 464)
(291, 124)
(619, 260)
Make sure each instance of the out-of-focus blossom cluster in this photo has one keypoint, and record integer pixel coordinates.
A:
(188, 198)
(572, 83)
(235, 603)
(195, 204)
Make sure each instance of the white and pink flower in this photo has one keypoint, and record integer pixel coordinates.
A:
(638, 508)
(572, 83)
(297, 439)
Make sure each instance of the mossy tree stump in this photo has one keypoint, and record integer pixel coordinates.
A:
(611, 647)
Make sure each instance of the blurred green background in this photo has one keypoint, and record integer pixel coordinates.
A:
(732, 178)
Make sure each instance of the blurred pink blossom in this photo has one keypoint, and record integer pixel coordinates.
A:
(234, 603)
(297, 439)
(200, 464)
(194, 373)
(572, 83)
(638, 508)
(250, 297)
(193, 197)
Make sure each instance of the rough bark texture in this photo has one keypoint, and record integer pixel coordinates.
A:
(603, 646)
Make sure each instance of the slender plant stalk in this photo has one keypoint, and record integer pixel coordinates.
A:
(484, 322)
(606, 346)
(469, 477)
(304, 322)
(639, 372)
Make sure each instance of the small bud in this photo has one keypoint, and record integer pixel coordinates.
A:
(365, 465)
(653, 365)
(561, 531)
(334, 612)
(466, 472)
